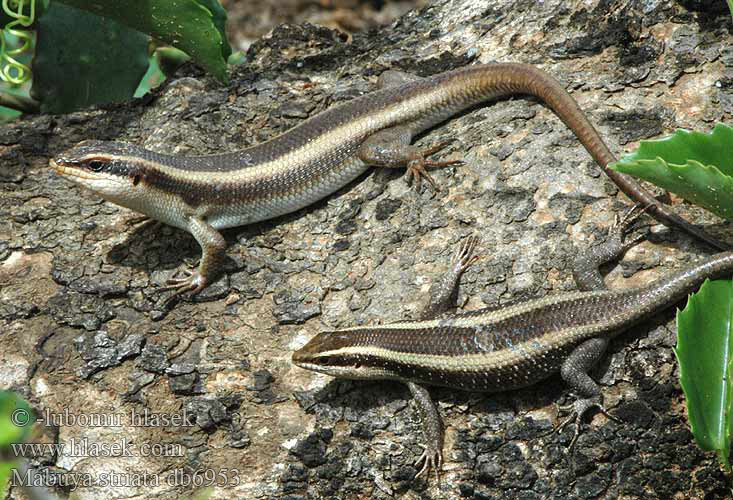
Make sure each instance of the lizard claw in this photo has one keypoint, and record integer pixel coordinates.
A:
(417, 167)
(193, 283)
(463, 258)
(438, 146)
(416, 170)
(431, 458)
(621, 225)
(578, 409)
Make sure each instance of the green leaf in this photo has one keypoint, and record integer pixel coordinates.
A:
(16, 419)
(6, 470)
(16, 422)
(694, 165)
(196, 27)
(71, 71)
(152, 78)
(705, 354)
(240, 57)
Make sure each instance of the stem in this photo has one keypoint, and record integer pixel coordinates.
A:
(19, 103)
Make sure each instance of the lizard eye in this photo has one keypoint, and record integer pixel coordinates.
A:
(96, 165)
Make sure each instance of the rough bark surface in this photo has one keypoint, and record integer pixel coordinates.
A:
(85, 333)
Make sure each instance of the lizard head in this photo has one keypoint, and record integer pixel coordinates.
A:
(339, 354)
(113, 170)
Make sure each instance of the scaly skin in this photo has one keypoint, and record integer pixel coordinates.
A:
(204, 194)
(499, 349)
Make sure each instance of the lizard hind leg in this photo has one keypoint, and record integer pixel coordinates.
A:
(574, 372)
(432, 424)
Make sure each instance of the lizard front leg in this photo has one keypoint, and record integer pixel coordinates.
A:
(212, 253)
(442, 295)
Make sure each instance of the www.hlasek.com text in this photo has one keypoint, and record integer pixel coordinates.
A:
(84, 448)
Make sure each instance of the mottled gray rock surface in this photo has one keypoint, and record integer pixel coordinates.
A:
(85, 332)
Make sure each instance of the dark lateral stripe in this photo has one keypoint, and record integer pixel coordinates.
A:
(301, 159)
(219, 191)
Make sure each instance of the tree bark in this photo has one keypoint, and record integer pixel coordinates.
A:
(86, 332)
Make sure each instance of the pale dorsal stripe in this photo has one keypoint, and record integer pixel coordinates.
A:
(502, 358)
(311, 151)
(487, 318)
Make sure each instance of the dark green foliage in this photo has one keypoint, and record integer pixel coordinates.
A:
(705, 353)
(16, 421)
(83, 59)
(694, 165)
(197, 27)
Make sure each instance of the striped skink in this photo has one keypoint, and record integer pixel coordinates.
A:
(500, 349)
(204, 194)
